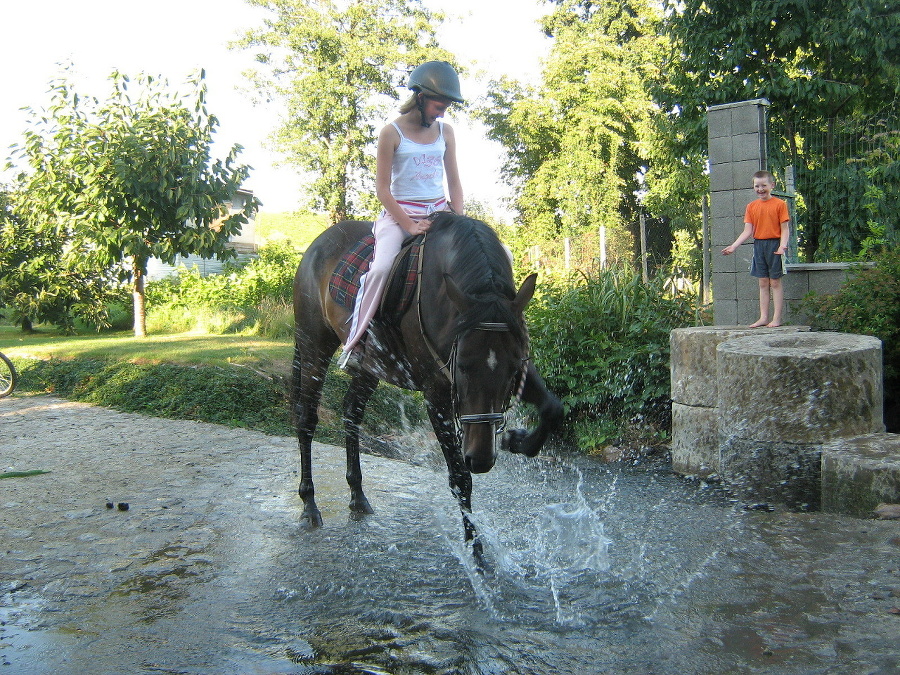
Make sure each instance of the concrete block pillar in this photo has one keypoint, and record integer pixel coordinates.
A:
(737, 150)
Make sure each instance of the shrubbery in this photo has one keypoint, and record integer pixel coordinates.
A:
(602, 344)
(254, 298)
(868, 304)
(232, 396)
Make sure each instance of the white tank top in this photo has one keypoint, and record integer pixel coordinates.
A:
(418, 170)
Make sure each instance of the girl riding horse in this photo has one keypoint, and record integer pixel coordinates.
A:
(414, 156)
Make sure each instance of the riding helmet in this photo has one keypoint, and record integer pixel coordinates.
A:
(436, 78)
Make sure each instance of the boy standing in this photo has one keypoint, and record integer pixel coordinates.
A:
(766, 219)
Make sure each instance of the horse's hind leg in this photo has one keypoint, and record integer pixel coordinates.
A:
(308, 378)
(358, 394)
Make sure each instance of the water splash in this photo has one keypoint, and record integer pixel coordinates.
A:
(544, 559)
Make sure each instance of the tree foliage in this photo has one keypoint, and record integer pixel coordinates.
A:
(812, 61)
(130, 178)
(40, 283)
(335, 65)
(574, 143)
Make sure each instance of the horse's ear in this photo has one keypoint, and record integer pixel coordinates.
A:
(456, 296)
(526, 292)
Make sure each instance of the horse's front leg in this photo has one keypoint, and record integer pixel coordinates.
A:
(441, 416)
(358, 394)
(550, 414)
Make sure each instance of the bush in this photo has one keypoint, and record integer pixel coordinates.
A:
(867, 304)
(239, 300)
(602, 344)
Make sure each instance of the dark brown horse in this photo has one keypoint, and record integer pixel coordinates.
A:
(462, 342)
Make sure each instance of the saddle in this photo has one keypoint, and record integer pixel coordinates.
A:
(398, 296)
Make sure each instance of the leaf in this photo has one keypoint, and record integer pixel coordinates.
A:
(22, 474)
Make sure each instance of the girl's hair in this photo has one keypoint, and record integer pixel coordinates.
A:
(410, 103)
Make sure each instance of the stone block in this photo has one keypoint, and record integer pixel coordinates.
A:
(746, 146)
(796, 285)
(859, 473)
(720, 204)
(695, 440)
(724, 230)
(724, 286)
(720, 178)
(718, 123)
(720, 150)
(725, 312)
(692, 361)
(800, 388)
(748, 119)
(772, 471)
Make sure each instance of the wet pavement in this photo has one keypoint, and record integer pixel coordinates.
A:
(207, 571)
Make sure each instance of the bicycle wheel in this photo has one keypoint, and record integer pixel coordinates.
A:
(7, 376)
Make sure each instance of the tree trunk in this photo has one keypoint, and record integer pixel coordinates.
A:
(140, 309)
(27, 326)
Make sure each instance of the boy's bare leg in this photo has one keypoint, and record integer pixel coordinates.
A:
(763, 304)
(777, 301)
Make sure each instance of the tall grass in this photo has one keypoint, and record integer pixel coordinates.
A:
(601, 341)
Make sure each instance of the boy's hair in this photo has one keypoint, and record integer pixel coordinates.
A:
(765, 174)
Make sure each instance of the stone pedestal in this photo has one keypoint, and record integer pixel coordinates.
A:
(695, 412)
(781, 397)
(860, 473)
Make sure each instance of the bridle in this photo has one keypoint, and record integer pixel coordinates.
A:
(448, 368)
(498, 418)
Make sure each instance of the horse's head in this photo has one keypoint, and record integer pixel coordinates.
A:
(487, 368)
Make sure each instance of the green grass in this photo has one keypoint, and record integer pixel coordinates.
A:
(271, 356)
(239, 381)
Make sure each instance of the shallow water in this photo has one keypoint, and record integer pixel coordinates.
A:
(594, 569)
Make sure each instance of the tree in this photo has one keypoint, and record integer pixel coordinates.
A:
(335, 64)
(131, 178)
(574, 144)
(813, 61)
(43, 280)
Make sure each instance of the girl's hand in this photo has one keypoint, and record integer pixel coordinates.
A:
(419, 226)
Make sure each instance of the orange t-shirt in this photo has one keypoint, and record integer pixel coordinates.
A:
(766, 217)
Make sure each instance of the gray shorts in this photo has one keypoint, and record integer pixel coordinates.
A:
(767, 265)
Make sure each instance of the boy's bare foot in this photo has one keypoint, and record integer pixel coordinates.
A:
(759, 324)
(773, 324)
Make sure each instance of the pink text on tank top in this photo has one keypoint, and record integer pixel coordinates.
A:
(418, 169)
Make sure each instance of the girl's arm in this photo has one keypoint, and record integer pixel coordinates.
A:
(451, 171)
(388, 140)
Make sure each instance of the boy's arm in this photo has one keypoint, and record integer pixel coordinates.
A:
(742, 237)
(785, 234)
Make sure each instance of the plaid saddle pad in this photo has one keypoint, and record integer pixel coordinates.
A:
(344, 282)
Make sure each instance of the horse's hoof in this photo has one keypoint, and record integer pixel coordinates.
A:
(361, 507)
(512, 441)
(311, 520)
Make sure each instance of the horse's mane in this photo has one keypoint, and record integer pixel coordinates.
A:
(478, 264)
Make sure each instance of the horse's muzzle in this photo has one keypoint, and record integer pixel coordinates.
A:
(479, 447)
